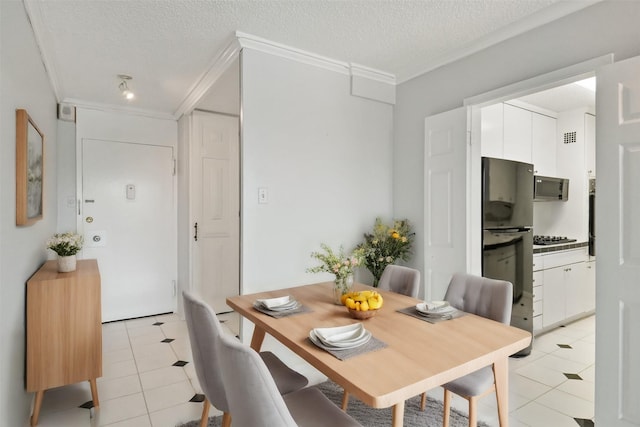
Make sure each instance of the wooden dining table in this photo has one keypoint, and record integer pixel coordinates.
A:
(418, 355)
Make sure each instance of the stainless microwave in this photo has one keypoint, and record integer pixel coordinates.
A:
(547, 188)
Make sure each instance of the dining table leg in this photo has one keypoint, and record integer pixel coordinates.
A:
(398, 414)
(501, 375)
(257, 338)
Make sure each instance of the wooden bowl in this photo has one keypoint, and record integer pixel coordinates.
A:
(362, 315)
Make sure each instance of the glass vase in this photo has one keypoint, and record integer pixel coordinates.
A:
(341, 286)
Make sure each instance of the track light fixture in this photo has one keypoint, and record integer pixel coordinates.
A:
(124, 87)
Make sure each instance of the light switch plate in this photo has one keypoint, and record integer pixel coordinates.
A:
(263, 195)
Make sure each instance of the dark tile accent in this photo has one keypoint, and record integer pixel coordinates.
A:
(167, 340)
(582, 422)
(573, 376)
(564, 345)
(87, 405)
(180, 363)
(158, 323)
(561, 247)
(197, 398)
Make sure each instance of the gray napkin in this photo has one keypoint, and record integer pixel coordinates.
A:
(372, 345)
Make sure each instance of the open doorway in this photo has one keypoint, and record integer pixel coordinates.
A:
(554, 131)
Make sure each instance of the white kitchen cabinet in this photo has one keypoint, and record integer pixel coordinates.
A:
(538, 297)
(553, 304)
(491, 131)
(565, 286)
(576, 295)
(517, 134)
(590, 144)
(590, 288)
(543, 144)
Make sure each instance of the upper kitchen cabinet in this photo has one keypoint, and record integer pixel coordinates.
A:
(590, 144)
(517, 134)
(543, 144)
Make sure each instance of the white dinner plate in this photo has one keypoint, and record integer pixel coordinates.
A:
(431, 309)
(341, 336)
(274, 302)
(291, 305)
(344, 346)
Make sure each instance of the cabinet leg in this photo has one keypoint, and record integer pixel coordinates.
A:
(36, 408)
(94, 393)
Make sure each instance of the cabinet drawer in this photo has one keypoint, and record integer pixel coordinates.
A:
(538, 263)
(573, 256)
(537, 308)
(537, 323)
(537, 293)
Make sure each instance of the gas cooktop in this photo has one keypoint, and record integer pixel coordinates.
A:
(551, 240)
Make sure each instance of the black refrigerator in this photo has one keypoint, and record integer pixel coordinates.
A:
(507, 234)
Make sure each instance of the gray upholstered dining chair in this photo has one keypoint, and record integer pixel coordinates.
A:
(484, 297)
(254, 399)
(205, 333)
(401, 280)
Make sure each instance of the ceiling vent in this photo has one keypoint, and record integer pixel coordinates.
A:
(570, 137)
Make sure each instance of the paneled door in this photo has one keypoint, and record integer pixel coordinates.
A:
(445, 210)
(618, 231)
(215, 186)
(128, 219)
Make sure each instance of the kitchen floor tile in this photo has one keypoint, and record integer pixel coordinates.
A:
(542, 374)
(118, 387)
(118, 369)
(117, 356)
(526, 387)
(582, 389)
(567, 404)
(141, 421)
(120, 409)
(168, 396)
(162, 377)
(537, 415)
(182, 413)
(72, 417)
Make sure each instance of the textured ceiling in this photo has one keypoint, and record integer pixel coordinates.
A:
(167, 45)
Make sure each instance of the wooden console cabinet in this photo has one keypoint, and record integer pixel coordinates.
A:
(64, 329)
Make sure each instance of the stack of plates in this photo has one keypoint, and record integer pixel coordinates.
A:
(340, 337)
(436, 309)
(285, 303)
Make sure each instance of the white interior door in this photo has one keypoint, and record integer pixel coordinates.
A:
(618, 241)
(129, 224)
(445, 212)
(215, 185)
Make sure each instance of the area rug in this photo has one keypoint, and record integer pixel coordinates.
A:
(370, 417)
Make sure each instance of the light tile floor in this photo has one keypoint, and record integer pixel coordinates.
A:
(144, 384)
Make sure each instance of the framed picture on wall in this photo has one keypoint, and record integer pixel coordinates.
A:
(29, 169)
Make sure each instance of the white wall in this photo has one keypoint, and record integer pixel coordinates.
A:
(325, 157)
(23, 84)
(224, 95)
(569, 218)
(607, 27)
(66, 162)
